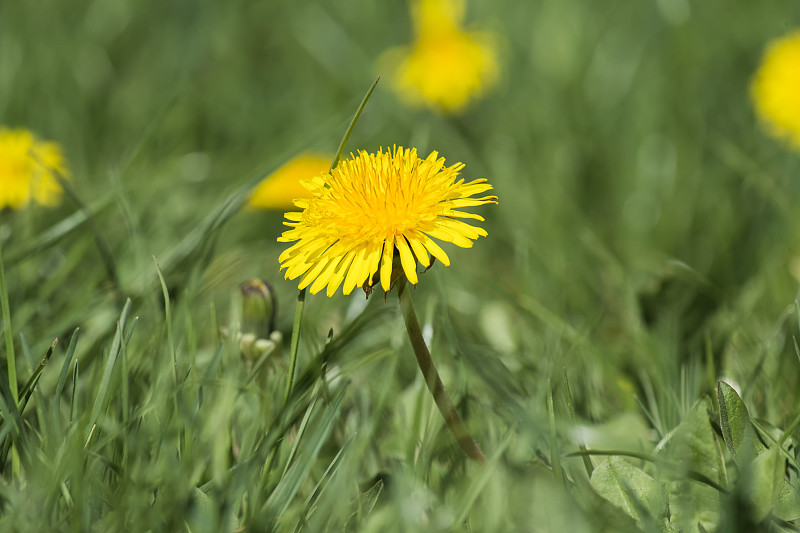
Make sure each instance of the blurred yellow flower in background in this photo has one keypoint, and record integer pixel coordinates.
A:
(27, 167)
(280, 188)
(775, 89)
(372, 207)
(446, 67)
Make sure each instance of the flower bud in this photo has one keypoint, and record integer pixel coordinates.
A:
(259, 308)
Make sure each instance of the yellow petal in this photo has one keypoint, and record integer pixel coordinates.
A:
(407, 260)
(313, 273)
(354, 278)
(415, 241)
(338, 276)
(386, 263)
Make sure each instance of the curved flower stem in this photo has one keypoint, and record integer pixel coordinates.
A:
(432, 379)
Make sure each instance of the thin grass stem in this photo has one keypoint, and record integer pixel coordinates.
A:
(587, 462)
(168, 317)
(298, 316)
(555, 456)
(301, 294)
(10, 356)
(7, 331)
(106, 255)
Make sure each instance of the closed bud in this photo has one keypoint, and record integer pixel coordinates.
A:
(259, 308)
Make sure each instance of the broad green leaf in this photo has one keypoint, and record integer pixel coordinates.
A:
(787, 504)
(737, 430)
(787, 499)
(631, 489)
(693, 445)
(765, 485)
(766, 476)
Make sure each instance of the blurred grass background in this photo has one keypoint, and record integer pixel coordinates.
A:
(645, 245)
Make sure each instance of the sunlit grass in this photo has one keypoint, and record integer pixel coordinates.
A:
(645, 248)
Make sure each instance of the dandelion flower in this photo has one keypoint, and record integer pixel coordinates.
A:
(775, 89)
(27, 168)
(446, 67)
(372, 206)
(282, 186)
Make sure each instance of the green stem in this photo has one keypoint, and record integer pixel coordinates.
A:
(168, 317)
(587, 462)
(9, 336)
(555, 457)
(298, 315)
(10, 357)
(104, 250)
(301, 295)
(432, 379)
(352, 125)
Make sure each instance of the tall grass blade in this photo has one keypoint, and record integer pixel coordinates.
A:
(102, 391)
(8, 333)
(286, 490)
(168, 317)
(62, 378)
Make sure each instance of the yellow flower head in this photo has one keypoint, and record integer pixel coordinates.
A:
(446, 67)
(371, 205)
(282, 186)
(26, 170)
(775, 89)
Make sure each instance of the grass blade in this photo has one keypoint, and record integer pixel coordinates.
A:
(322, 423)
(25, 395)
(102, 391)
(5, 309)
(168, 317)
(58, 231)
(102, 245)
(73, 406)
(555, 456)
(301, 294)
(27, 389)
(587, 462)
(62, 378)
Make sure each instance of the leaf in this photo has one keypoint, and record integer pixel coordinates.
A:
(693, 444)
(766, 475)
(206, 514)
(631, 489)
(364, 505)
(62, 378)
(116, 346)
(787, 504)
(765, 485)
(737, 429)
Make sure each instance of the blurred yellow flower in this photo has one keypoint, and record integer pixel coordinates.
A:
(446, 67)
(373, 206)
(282, 186)
(775, 89)
(26, 169)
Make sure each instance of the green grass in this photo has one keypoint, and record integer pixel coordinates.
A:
(645, 246)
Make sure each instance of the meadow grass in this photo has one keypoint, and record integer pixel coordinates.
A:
(621, 345)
